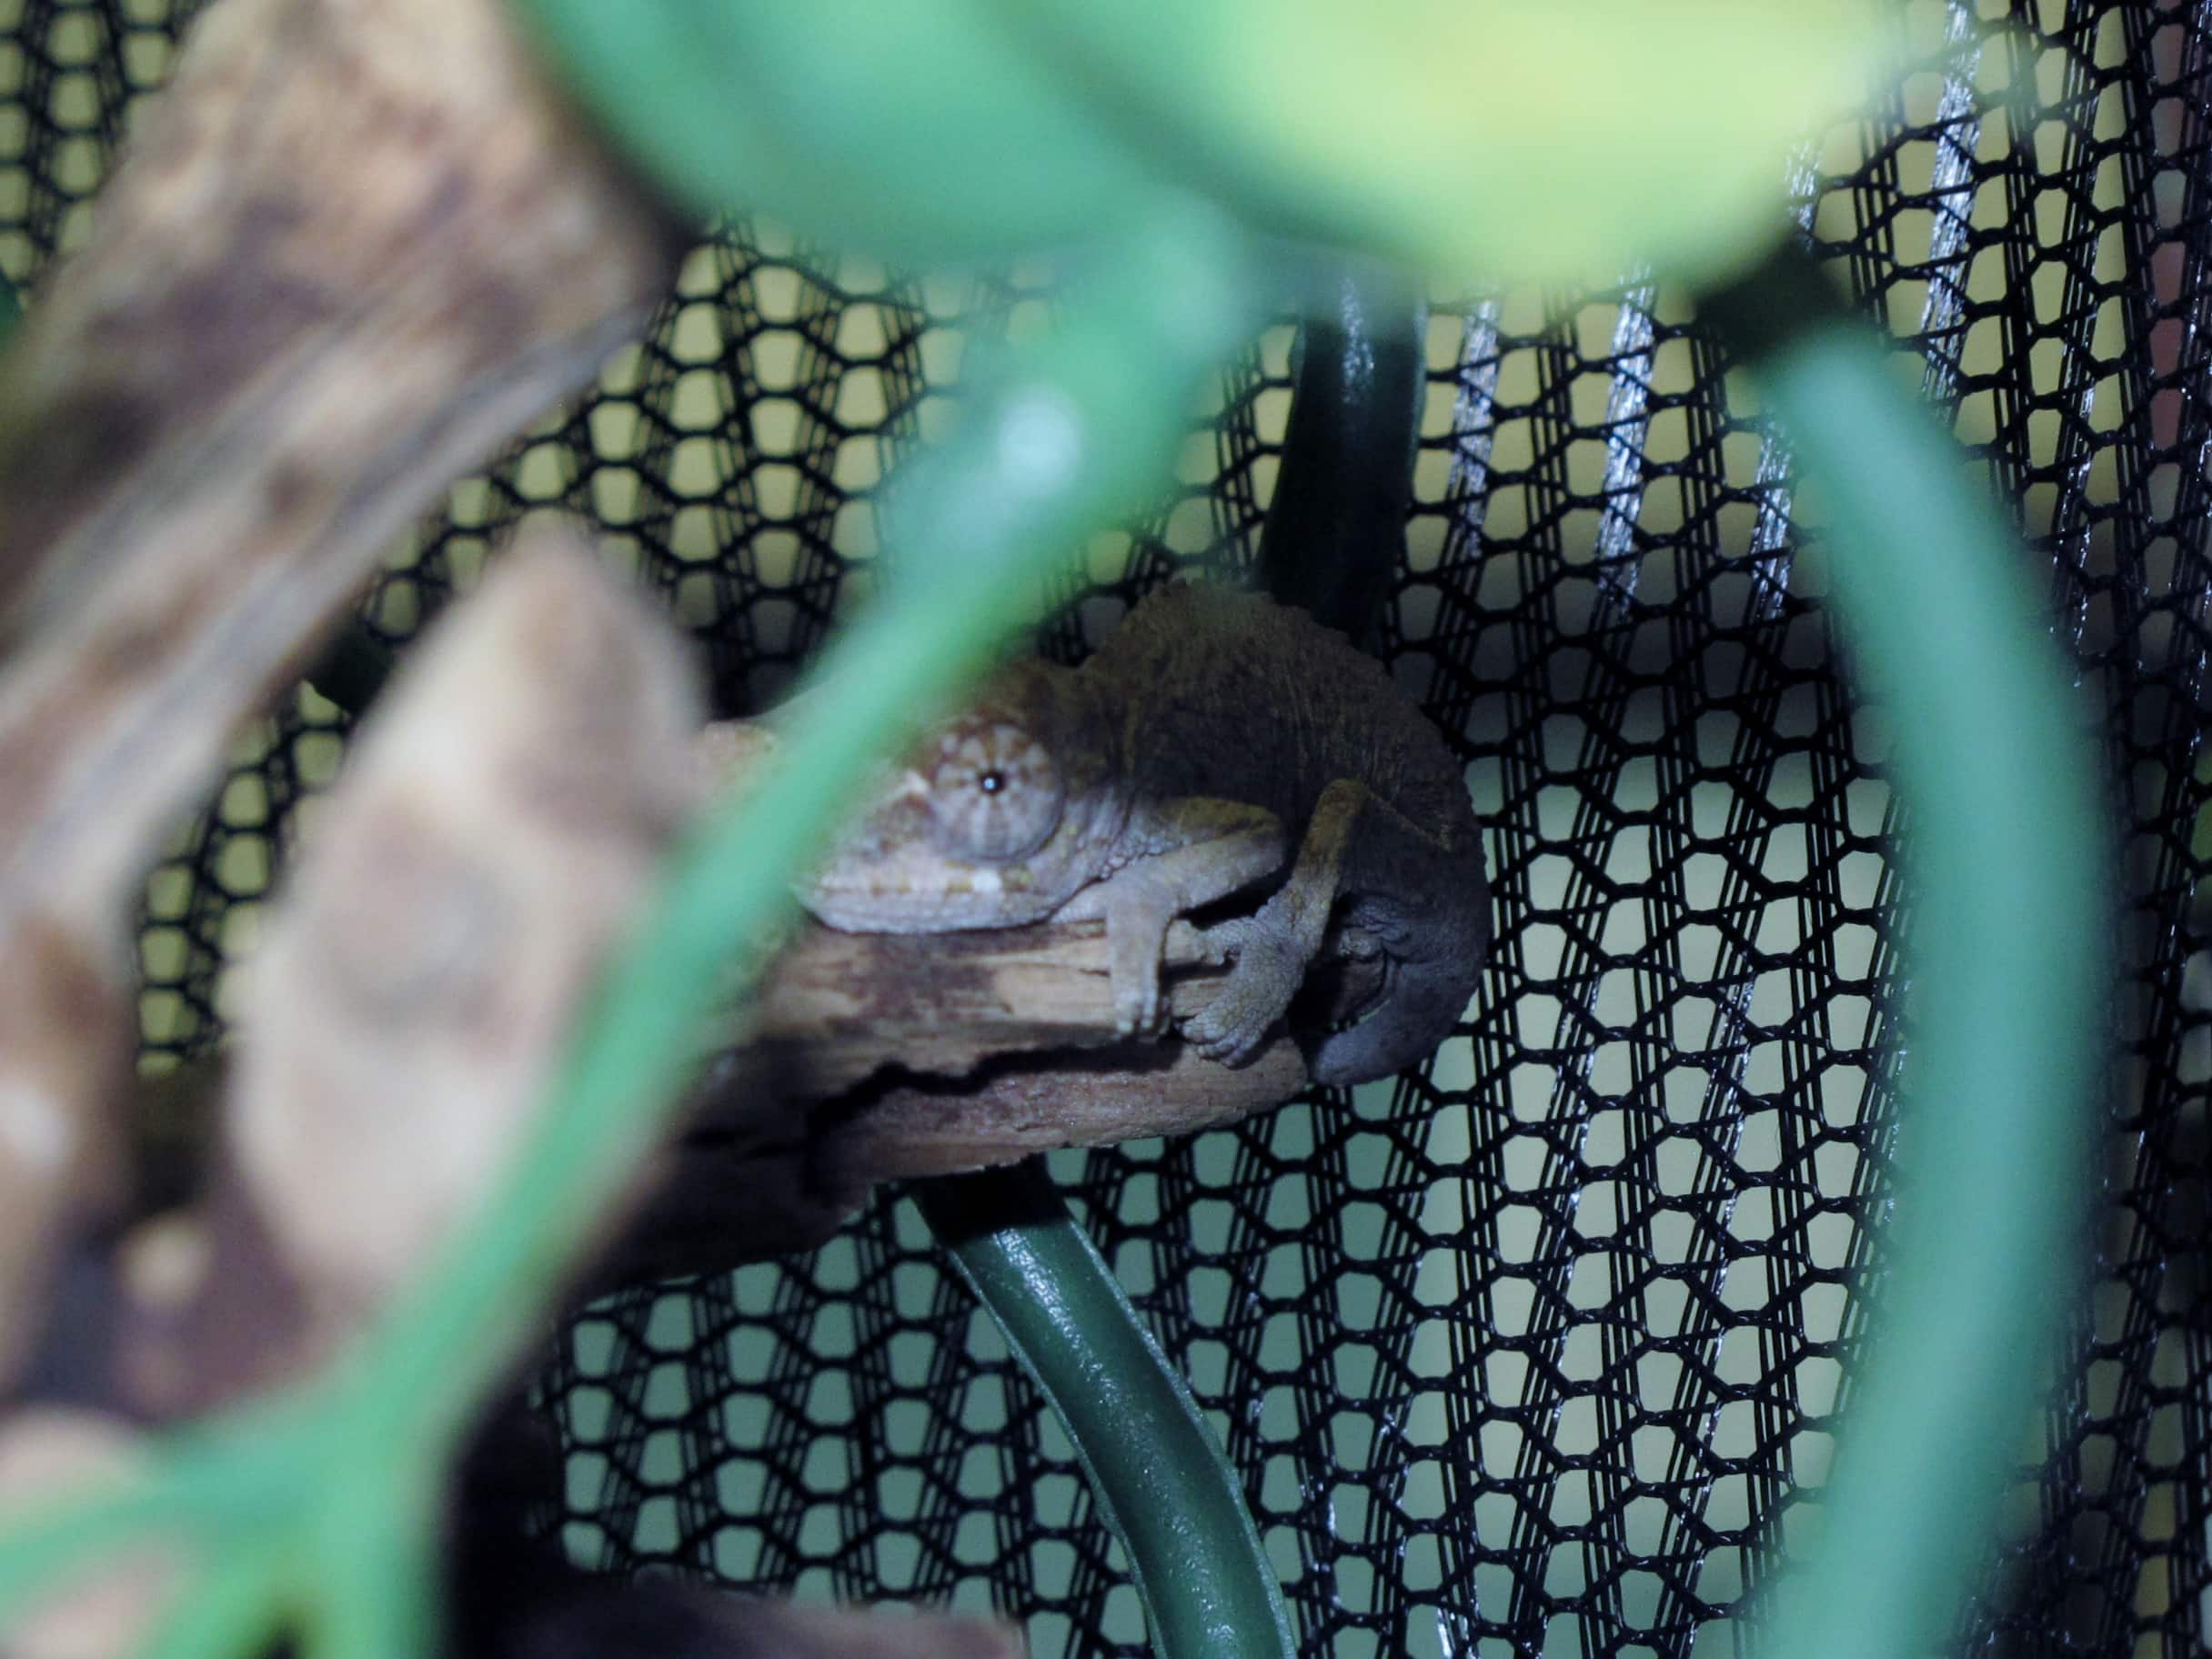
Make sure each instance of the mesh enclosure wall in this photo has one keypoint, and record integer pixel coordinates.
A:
(1539, 1349)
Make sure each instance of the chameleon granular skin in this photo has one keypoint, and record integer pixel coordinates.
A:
(1540, 1348)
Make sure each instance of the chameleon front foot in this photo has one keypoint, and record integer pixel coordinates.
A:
(1136, 937)
(1232, 1029)
(1137, 1004)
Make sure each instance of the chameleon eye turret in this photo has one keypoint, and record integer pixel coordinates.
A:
(994, 792)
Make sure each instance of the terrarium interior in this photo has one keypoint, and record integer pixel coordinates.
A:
(1539, 1348)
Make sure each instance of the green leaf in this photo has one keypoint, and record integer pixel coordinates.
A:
(1517, 139)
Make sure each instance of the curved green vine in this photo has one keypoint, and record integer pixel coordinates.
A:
(2010, 950)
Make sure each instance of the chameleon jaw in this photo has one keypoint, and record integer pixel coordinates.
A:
(920, 896)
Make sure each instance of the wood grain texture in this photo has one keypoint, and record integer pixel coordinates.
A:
(353, 247)
(880, 1057)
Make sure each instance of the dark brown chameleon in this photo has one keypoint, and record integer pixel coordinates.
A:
(1219, 748)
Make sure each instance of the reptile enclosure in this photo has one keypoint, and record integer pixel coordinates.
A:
(1539, 1348)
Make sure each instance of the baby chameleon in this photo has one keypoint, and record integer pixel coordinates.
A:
(1219, 746)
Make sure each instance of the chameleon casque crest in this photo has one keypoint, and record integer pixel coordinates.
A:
(1223, 758)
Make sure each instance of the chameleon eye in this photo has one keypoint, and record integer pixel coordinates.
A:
(994, 792)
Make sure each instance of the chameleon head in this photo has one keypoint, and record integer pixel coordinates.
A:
(971, 830)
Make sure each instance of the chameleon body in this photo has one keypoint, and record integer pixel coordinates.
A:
(1223, 758)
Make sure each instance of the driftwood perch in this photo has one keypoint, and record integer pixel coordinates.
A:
(865, 1058)
(876, 1057)
(868, 1059)
(495, 830)
(354, 246)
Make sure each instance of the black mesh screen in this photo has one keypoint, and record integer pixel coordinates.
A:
(1539, 1349)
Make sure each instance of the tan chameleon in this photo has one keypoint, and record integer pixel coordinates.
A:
(1221, 758)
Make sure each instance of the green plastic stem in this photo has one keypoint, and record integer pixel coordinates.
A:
(1157, 1471)
(2010, 957)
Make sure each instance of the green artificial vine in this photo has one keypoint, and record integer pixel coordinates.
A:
(2010, 950)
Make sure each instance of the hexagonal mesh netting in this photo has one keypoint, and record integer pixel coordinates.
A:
(1537, 1349)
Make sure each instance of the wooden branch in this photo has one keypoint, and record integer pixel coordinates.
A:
(869, 1060)
(495, 831)
(849, 1004)
(352, 1136)
(879, 1057)
(354, 245)
(66, 1033)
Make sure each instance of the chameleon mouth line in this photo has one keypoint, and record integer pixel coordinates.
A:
(985, 882)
